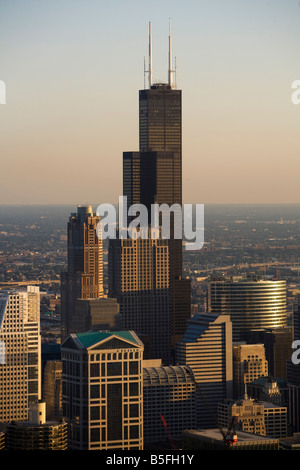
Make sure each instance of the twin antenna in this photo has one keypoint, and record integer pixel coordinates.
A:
(150, 71)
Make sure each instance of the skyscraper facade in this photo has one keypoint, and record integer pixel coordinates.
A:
(160, 131)
(249, 364)
(103, 390)
(169, 396)
(153, 175)
(207, 349)
(251, 303)
(20, 341)
(160, 127)
(52, 392)
(277, 342)
(293, 375)
(139, 280)
(84, 277)
(37, 433)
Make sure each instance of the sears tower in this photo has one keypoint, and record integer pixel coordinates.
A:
(153, 175)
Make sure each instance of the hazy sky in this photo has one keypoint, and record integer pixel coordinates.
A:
(73, 69)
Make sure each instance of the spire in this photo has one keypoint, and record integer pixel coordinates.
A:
(172, 83)
(149, 71)
(170, 55)
(150, 56)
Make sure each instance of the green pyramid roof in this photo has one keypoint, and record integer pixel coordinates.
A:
(90, 338)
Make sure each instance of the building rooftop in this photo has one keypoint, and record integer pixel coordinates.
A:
(90, 338)
(197, 325)
(167, 375)
(292, 440)
(215, 434)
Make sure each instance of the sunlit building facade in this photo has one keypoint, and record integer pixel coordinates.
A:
(251, 304)
(249, 364)
(207, 349)
(139, 280)
(37, 434)
(102, 397)
(84, 276)
(20, 341)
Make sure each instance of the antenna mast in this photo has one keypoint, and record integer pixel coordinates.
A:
(149, 71)
(150, 56)
(170, 56)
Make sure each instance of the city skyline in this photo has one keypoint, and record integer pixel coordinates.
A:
(72, 72)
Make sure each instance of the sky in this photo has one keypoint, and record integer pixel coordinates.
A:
(73, 69)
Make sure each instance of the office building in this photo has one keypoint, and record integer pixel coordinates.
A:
(103, 390)
(269, 389)
(277, 343)
(20, 364)
(290, 442)
(37, 433)
(84, 276)
(249, 363)
(256, 417)
(207, 349)
(293, 373)
(212, 439)
(276, 420)
(95, 314)
(169, 394)
(247, 415)
(160, 130)
(153, 176)
(52, 389)
(160, 126)
(251, 303)
(139, 280)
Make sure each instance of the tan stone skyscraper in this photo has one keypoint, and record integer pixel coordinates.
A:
(84, 277)
(139, 280)
(103, 390)
(249, 364)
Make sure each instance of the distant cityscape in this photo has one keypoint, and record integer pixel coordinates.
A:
(239, 240)
(253, 242)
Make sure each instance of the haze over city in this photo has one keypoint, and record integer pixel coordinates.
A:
(73, 70)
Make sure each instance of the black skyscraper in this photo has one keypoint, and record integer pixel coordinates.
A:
(160, 128)
(154, 175)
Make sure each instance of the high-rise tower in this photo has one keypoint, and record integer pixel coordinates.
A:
(160, 145)
(103, 390)
(206, 348)
(153, 175)
(252, 303)
(20, 345)
(160, 128)
(84, 277)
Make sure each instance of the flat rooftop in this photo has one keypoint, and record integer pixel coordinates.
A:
(215, 434)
